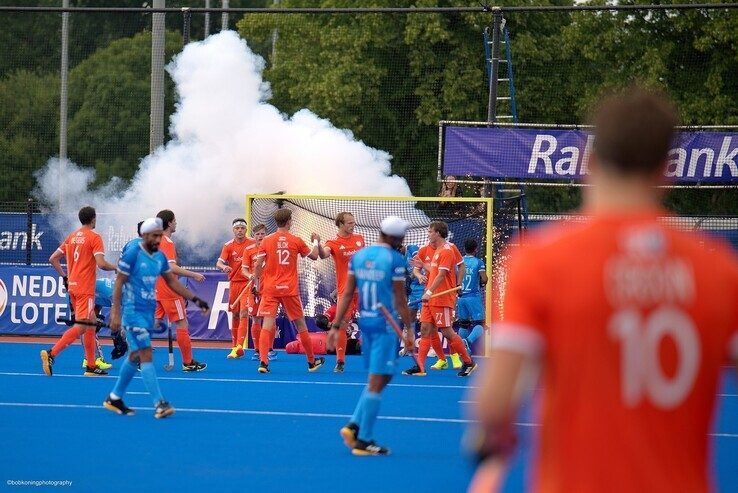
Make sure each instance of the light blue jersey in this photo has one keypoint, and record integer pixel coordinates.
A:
(104, 292)
(470, 285)
(130, 244)
(375, 268)
(415, 290)
(139, 297)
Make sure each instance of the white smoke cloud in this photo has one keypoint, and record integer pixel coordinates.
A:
(227, 141)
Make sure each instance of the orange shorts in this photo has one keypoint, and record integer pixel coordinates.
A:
(440, 316)
(174, 310)
(351, 308)
(84, 306)
(236, 288)
(292, 306)
(252, 303)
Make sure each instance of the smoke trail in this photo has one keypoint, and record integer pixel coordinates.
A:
(227, 141)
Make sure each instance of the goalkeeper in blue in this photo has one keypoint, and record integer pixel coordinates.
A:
(134, 295)
(469, 306)
(378, 272)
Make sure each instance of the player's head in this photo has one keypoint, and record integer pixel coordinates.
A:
(138, 228)
(87, 216)
(470, 246)
(239, 228)
(392, 231)
(260, 231)
(437, 232)
(283, 218)
(632, 136)
(345, 222)
(151, 231)
(168, 220)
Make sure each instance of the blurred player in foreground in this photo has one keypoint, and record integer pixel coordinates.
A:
(378, 271)
(139, 269)
(630, 320)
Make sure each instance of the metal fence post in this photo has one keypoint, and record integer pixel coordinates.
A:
(156, 133)
(29, 230)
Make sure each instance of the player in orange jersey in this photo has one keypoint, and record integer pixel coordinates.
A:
(252, 302)
(630, 336)
(277, 263)
(436, 313)
(230, 260)
(342, 248)
(168, 303)
(85, 252)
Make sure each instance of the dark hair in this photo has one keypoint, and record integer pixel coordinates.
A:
(439, 227)
(86, 215)
(166, 217)
(238, 219)
(282, 217)
(138, 227)
(470, 245)
(341, 217)
(634, 131)
(259, 227)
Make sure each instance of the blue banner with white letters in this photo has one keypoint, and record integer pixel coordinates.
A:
(546, 154)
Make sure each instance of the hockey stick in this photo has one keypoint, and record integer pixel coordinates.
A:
(170, 364)
(393, 323)
(246, 288)
(436, 295)
(69, 323)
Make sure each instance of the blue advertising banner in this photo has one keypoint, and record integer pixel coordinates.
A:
(545, 154)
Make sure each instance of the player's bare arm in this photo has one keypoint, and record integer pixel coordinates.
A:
(434, 285)
(120, 280)
(179, 271)
(422, 278)
(460, 273)
(324, 251)
(223, 266)
(179, 288)
(55, 261)
(401, 306)
(102, 263)
(483, 279)
(315, 253)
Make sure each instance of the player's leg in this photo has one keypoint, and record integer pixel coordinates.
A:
(424, 345)
(268, 306)
(293, 309)
(243, 329)
(457, 346)
(343, 334)
(174, 310)
(235, 347)
(162, 408)
(84, 310)
(136, 340)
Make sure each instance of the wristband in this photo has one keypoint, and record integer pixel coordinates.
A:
(335, 326)
(316, 243)
(429, 292)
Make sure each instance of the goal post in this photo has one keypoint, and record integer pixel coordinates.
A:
(467, 217)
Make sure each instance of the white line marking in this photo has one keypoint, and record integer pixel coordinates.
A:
(137, 393)
(246, 380)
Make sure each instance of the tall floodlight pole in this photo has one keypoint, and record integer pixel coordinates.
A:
(224, 18)
(207, 19)
(156, 134)
(64, 93)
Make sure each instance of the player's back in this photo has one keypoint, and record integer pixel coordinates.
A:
(634, 333)
(375, 268)
(80, 249)
(281, 251)
(470, 283)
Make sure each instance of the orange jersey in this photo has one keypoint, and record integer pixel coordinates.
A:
(164, 292)
(80, 249)
(342, 249)
(632, 336)
(280, 251)
(233, 255)
(249, 260)
(443, 261)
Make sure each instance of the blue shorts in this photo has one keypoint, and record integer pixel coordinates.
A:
(379, 350)
(137, 338)
(470, 308)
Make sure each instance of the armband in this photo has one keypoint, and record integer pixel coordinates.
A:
(429, 292)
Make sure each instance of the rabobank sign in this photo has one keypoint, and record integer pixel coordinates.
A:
(31, 299)
(550, 154)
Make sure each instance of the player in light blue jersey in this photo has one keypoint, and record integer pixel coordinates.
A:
(138, 270)
(103, 294)
(415, 287)
(378, 272)
(469, 306)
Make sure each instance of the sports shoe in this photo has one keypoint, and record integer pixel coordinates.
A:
(317, 364)
(263, 368)
(456, 361)
(415, 371)
(350, 434)
(339, 367)
(441, 364)
(272, 355)
(47, 361)
(99, 362)
(369, 448)
(403, 352)
(163, 409)
(234, 353)
(466, 369)
(94, 372)
(194, 366)
(255, 356)
(118, 407)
